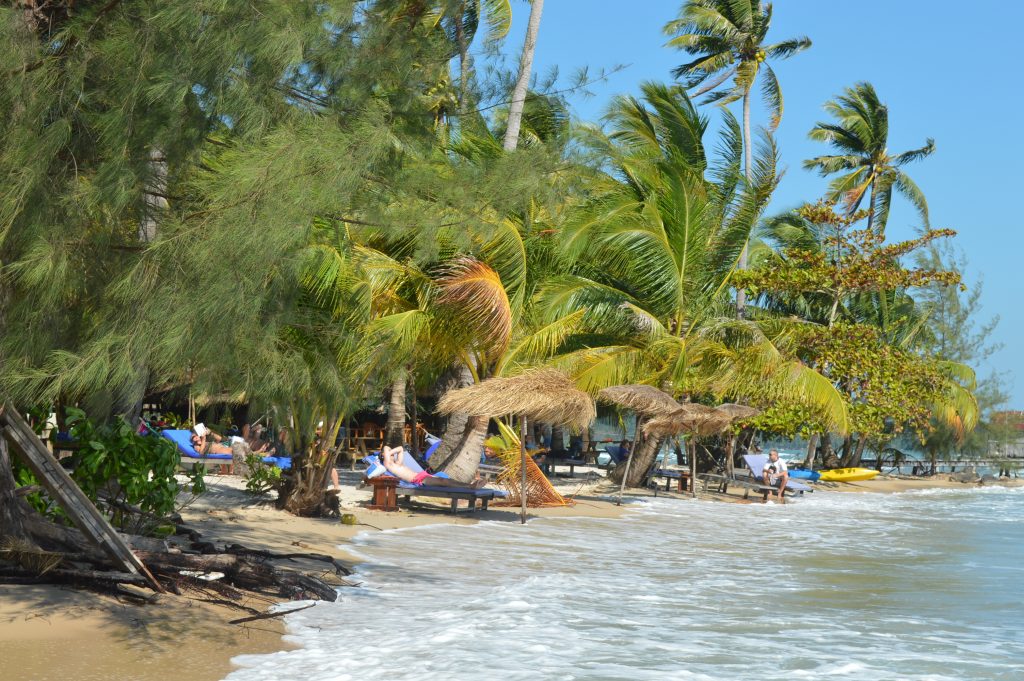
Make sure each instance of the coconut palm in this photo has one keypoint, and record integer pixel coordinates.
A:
(654, 249)
(727, 38)
(515, 112)
(461, 20)
(860, 135)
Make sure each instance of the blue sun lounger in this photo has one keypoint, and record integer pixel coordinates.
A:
(406, 489)
(183, 440)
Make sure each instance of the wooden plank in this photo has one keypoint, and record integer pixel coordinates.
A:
(71, 498)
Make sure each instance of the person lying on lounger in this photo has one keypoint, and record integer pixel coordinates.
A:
(207, 442)
(392, 458)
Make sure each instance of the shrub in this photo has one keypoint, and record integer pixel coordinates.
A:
(261, 478)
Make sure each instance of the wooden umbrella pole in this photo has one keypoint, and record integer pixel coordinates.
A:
(629, 460)
(522, 465)
(692, 447)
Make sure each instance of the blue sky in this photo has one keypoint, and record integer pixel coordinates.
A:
(969, 99)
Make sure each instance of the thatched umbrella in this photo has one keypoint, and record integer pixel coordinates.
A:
(699, 420)
(645, 400)
(737, 413)
(543, 394)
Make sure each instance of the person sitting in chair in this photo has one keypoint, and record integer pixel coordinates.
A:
(776, 474)
(392, 458)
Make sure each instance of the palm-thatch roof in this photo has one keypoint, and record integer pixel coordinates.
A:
(738, 412)
(688, 418)
(643, 399)
(698, 419)
(542, 395)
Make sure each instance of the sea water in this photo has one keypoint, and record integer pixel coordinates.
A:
(920, 585)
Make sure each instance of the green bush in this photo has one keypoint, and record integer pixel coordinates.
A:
(114, 465)
(261, 478)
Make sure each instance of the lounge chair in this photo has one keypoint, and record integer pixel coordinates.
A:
(616, 453)
(375, 470)
(183, 440)
(756, 462)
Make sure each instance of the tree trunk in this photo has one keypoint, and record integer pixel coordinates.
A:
(414, 445)
(846, 452)
(394, 431)
(828, 455)
(463, 44)
(858, 451)
(643, 459)
(457, 422)
(730, 456)
(871, 208)
(304, 488)
(812, 445)
(515, 112)
(748, 156)
(12, 508)
(557, 440)
(463, 462)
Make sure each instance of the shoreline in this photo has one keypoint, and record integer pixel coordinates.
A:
(50, 631)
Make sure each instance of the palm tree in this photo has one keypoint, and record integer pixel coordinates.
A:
(515, 113)
(860, 135)
(654, 249)
(462, 20)
(727, 38)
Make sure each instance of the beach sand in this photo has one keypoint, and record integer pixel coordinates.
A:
(53, 632)
(49, 632)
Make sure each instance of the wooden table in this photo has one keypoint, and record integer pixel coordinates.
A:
(682, 478)
(385, 493)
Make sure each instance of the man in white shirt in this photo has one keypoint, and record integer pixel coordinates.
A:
(776, 474)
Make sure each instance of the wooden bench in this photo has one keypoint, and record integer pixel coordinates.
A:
(387, 492)
(549, 464)
(484, 496)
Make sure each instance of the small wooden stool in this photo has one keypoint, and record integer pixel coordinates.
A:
(385, 493)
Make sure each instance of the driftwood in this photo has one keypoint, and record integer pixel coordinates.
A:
(62, 576)
(269, 615)
(240, 550)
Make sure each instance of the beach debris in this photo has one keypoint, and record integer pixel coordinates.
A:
(268, 615)
(64, 491)
(95, 556)
(29, 556)
(205, 576)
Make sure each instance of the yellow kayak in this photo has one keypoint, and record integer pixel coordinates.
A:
(848, 474)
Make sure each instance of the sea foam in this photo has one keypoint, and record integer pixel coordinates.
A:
(918, 586)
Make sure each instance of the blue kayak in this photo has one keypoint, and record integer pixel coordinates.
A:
(804, 475)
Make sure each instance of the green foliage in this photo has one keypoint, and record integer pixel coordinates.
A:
(821, 256)
(114, 465)
(295, 203)
(727, 38)
(861, 136)
(262, 478)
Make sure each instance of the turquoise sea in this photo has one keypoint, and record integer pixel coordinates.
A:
(920, 585)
